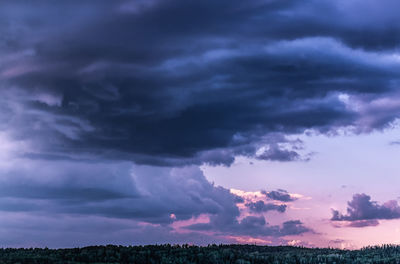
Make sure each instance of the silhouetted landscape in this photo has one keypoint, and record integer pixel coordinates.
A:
(218, 254)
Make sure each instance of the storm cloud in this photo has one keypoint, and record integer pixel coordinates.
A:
(113, 190)
(129, 196)
(176, 83)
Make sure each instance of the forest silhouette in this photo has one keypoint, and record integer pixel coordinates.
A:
(188, 254)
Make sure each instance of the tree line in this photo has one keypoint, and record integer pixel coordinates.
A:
(215, 254)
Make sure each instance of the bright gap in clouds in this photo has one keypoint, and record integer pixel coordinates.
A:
(341, 166)
(338, 160)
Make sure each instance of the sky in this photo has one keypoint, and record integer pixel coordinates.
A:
(134, 122)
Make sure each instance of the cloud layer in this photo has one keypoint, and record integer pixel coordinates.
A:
(173, 83)
(121, 196)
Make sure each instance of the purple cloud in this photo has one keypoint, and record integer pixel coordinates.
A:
(361, 211)
(363, 223)
(255, 226)
(260, 206)
(125, 195)
(279, 195)
(96, 89)
(118, 190)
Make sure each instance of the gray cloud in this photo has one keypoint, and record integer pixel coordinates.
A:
(159, 84)
(279, 195)
(260, 206)
(361, 211)
(363, 223)
(254, 226)
(113, 190)
(275, 153)
(120, 192)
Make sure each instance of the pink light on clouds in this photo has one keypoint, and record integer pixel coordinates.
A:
(179, 226)
(249, 240)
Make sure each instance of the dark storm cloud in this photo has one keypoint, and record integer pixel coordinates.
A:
(260, 206)
(114, 191)
(361, 211)
(177, 82)
(279, 195)
(126, 197)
